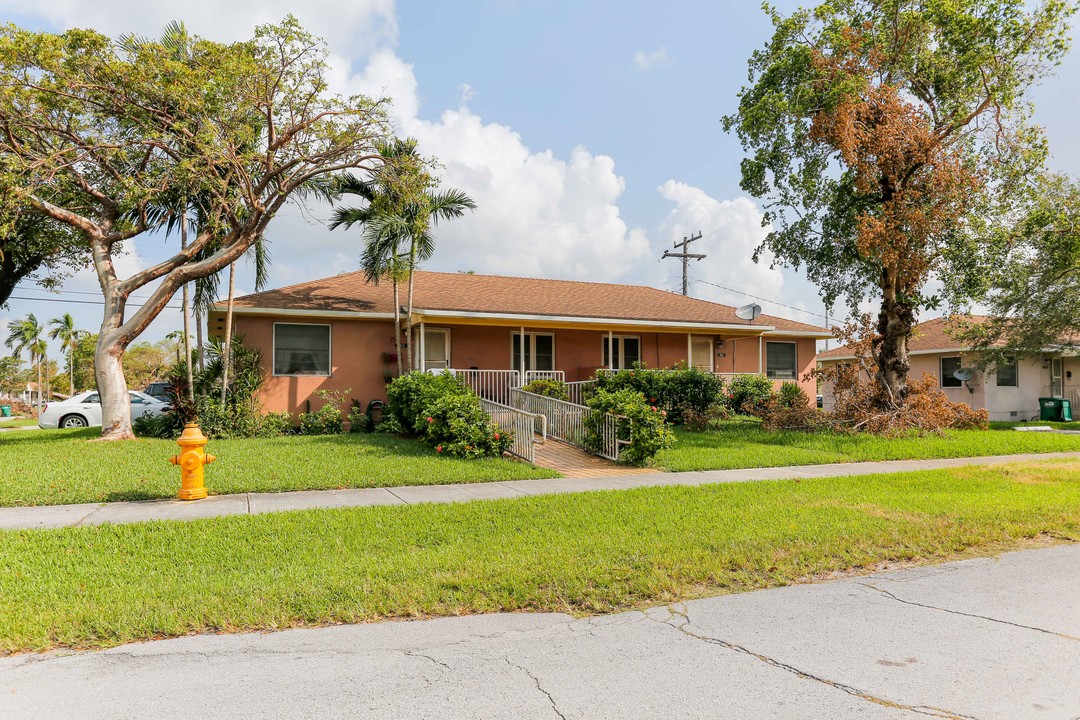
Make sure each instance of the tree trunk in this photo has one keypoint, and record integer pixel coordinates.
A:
(40, 387)
(408, 313)
(227, 354)
(112, 390)
(896, 319)
(71, 365)
(185, 308)
(199, 337)
(397, 326)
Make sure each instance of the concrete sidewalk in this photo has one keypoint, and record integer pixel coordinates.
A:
(985, 639)
(54, 516)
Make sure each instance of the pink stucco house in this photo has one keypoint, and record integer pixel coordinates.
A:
(337, 333)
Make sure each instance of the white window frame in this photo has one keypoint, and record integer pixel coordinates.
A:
(530, 360)
(622, 349)
(419, 362)
(941, 372)
(795, 371)
(329, 351)
(690, 350)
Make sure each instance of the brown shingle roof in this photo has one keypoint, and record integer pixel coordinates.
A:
(930, 336)
(508, 295)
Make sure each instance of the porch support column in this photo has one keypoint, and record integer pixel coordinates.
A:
(521, 357)
(689, 350)
(760, 355)
(610, 350)
(423, 354)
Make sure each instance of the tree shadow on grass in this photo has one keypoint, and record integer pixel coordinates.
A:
(133, 495)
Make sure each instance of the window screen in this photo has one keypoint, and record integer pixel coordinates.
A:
(950, 365)
(1006, 374)
(780, 361)
(301, 349)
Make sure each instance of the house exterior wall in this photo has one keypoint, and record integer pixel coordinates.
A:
(1001, 403)
(357, 346)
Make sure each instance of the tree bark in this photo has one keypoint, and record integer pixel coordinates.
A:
(40, 387)
(896, 319)
(397, 326)
(71, 365)
(113, 391)
(408, 313)
(227, 350)
(185, 308)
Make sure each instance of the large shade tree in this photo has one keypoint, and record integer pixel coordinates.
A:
(123, 129)
(1032, 277)
(882, 135)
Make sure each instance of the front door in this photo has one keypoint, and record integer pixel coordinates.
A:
(1057, 384)
(701, 354)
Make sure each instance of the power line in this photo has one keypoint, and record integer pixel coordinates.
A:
(762, 299)
(85, 302)
(685, 255)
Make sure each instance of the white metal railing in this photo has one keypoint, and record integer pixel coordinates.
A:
(524, 426)
(491, 385)
(531, 375)
(576, 390)
(566, 422)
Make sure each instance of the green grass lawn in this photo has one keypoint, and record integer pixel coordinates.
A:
(582, 553)
(17, 422)
(51, 467)
(746, 445)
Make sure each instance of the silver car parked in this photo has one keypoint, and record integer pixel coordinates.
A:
(84, 410)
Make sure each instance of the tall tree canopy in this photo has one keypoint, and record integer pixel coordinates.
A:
(1032, 277)
(882, 135)
(34, 245)
(123, 131)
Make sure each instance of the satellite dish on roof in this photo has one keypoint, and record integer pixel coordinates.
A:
(963, 374)
(748, 312)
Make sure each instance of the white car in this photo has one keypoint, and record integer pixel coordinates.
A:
(84, 410)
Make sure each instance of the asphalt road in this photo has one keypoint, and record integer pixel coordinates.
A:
(987, 638)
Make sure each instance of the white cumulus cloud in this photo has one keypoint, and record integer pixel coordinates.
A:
(649, 60)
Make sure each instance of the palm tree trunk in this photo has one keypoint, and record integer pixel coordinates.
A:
(397, 326)
(187, 311)
(39, 386)
(408, 314)
(228, 333)
(71, 365)
(199, 336)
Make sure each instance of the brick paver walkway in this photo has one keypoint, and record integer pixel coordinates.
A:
(573, 462)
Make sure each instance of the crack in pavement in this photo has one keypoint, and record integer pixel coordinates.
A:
(853, 691)
(892, 596)
(411, 653)
(536, 680)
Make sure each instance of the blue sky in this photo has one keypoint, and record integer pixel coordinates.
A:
(589, 133)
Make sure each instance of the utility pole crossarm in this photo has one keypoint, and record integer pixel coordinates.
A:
(685, 257)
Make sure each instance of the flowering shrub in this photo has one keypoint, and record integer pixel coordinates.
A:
(327, 420)
(749, 394)
(638, 421)
(446, 414)
(676, 390)
(459, 426)
(548, 388)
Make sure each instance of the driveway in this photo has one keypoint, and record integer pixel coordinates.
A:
(986, 638)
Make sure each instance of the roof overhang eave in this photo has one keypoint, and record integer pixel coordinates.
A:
(531, 319)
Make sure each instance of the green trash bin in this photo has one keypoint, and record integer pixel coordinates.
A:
(5, 411)
(1055, 409)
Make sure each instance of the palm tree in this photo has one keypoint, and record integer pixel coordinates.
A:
(401, 211)
(25, 334)
(64, 330)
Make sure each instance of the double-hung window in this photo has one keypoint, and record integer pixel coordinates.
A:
(539, 351)
(949, 366)
(1006, 373)
(301, 349)
(781, 361)
(621, 351)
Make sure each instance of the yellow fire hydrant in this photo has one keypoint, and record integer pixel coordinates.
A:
(191, 459)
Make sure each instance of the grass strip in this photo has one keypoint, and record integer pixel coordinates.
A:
(54, 467)
(582, 553)
(745, 445)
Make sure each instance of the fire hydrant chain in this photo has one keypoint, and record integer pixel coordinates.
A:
(191, 460)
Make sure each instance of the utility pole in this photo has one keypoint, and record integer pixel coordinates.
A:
(685, 245)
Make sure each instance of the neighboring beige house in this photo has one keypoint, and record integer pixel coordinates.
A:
(1010, 393)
